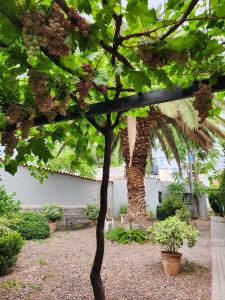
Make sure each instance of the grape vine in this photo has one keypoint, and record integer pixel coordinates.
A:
(84, 85)
(14, 113)
(158, 60)
(81, 24)
(9, 139)
(40, 90)
(203, 101)
(50, 31)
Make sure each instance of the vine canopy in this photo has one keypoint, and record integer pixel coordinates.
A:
(58, 57)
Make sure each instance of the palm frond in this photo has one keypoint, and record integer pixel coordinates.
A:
(169, 109)
(163, 144)
(188, 113)
(168, 134)
(214, 129)
(195, 135)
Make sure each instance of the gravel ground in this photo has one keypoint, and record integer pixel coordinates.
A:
(58, 269)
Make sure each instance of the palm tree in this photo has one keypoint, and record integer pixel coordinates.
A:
(163, 123)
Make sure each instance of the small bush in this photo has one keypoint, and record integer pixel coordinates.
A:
(215, 202)
(123, 236)
(169, 206)
(184, 214)
(52, 212)
(8, 204)
(172, 233)
(123, 209)
(10, 221)
(92, 211)
(32, 226)
(11, 243)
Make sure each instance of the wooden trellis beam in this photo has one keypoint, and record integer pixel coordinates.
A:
(135, 101)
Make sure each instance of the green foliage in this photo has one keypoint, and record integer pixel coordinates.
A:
(198, 39)
(8, 205)
(215, 202)
(123, 236)
(199, 188)
(169, 206)
(10, 221)
(123, 209)
(11, 243)
(222, 191)
(184, 214)
(92, 211)
(172, 233)
(177, 188)
(52, 212)
(32, 226)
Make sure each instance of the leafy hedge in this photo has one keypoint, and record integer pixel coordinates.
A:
(184, 214)
(123, 236)
(92, 211)
(11, 243)
(169, 206)
(8, 205)
(215, 202)
(33, 225)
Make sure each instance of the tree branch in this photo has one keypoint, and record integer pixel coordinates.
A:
(118, 22)
(119, 114)
(149, 32)
(119, 56)
(100, 90)
(95, 124)
(181, 21)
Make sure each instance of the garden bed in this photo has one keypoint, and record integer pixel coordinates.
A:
(58, 268)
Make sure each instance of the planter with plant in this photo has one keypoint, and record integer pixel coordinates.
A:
(171, 234)
(54, 214)
(92, 211)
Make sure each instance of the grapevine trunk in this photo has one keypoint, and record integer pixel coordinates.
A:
(95, 276)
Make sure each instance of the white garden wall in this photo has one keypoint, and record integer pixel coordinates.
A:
(73, 190)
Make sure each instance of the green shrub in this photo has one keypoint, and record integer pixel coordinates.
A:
(172, 233)
(11, 243)
(215, 202)
(92, 211)
(8, 204)
(123, 236)
(184, 214)
(10, 221)
(52, 212)
(32, 226)
(169, 206)
(123, 209)
(176, 188)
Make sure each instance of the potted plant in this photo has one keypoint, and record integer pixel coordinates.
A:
(54, 214)
(171, 234)
(91, 212)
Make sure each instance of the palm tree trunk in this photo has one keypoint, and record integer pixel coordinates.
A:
(135, 172)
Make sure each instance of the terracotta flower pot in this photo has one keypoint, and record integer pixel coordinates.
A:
(52, 226)
(171, 262)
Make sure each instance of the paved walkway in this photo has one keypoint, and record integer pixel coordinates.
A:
(218, 258)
